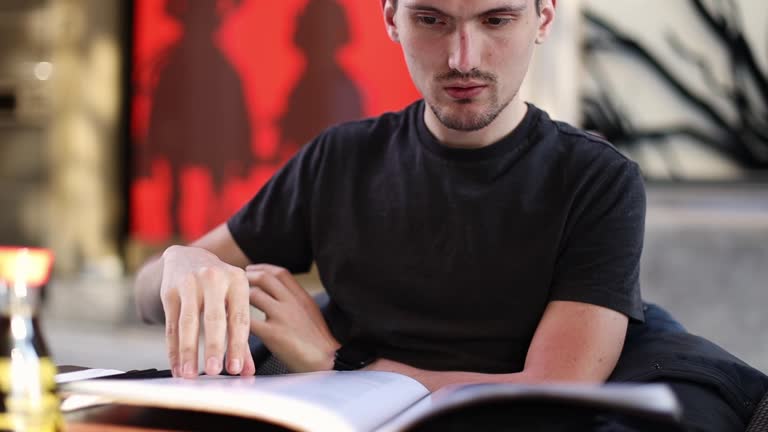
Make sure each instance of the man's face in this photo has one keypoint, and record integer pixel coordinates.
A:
(468, 58)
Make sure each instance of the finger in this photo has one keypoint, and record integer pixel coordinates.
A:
(238, 322)
(284, 276)
(214, 322)
(189, 323)
(171, 306)
(270, 284)
(294, 288)
(249, 367)
(255, 277)
(262, 301)
(260, 328)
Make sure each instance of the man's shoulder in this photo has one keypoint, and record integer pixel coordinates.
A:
(578, 145)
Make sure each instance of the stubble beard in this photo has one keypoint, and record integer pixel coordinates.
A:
(470, 121)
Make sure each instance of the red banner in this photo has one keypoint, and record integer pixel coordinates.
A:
(225, 91)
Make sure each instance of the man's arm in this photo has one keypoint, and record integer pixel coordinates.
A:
(575, 342)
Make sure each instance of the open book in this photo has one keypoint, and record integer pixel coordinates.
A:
(365, 400)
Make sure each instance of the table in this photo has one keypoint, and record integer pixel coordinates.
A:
(124, 418)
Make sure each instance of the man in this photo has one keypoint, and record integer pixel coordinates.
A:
(468, 238)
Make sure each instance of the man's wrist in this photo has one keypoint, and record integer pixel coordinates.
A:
(330, 359)
(326, 359)
(354, 355)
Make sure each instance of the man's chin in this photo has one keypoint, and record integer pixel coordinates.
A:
(464, 101)
(463, 118)
(465, 124)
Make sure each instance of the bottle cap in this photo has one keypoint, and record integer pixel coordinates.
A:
(30, 266)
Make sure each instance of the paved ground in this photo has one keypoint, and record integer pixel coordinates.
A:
(706, 260)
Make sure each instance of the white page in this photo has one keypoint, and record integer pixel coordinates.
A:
(76, 402)
(320, 401)
(85, 374)
(411, 415)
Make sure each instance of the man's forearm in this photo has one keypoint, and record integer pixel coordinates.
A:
(147, 291)
(434, 380)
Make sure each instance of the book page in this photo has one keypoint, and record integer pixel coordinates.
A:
(76, 402)
(650, 399)
(85, 374)
(320, 401)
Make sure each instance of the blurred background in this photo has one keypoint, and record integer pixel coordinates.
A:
(130, 125)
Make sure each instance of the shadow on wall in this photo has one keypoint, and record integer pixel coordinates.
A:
(697, 107)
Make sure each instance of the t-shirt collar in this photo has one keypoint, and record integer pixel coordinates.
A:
(514, 139)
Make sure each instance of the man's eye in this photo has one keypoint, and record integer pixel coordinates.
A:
(429, 20)
(497, 21)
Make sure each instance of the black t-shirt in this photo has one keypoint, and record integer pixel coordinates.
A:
(445, 257)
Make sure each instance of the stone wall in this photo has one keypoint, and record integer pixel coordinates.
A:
(60, 67)
(24, 110)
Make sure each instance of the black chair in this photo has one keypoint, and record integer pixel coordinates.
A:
(759, 421)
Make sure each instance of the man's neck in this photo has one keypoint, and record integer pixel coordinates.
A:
(500, 127)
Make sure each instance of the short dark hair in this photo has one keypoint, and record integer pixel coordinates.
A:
(538, 6)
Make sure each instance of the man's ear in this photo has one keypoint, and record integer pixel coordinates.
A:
(389, 21)
(546, 18)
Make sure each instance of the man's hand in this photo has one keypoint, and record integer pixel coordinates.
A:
(294, 330)
(195, 282)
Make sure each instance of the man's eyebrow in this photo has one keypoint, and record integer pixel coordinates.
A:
(506, 9)
(424, 8)
(516, 9)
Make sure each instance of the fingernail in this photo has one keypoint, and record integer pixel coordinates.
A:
(213, 365)
(187, 369)
(175, 371)
(235, 365)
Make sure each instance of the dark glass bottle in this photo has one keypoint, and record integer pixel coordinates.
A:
(28, 398)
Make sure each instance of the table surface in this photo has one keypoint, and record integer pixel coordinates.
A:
(124, 418)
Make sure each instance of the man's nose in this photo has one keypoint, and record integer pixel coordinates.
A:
(464, 55)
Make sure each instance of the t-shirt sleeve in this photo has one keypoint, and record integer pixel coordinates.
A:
(273, 227)
(599, 260)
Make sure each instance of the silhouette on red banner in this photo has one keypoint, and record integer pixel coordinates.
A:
(199, 123)
(322, 30)
(226, 91)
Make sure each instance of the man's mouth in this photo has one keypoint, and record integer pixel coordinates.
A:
(465, 91)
